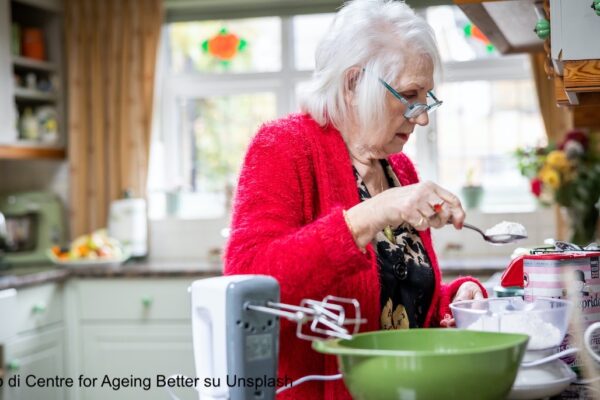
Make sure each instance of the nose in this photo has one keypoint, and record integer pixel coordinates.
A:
(421, 119)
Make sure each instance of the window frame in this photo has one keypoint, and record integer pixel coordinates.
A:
(193, 86)
(176, 87)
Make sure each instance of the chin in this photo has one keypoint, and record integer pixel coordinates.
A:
(394, 148)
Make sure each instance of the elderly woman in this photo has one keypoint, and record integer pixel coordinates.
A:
(328, 204)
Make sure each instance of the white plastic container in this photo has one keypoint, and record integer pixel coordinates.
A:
(128, 224)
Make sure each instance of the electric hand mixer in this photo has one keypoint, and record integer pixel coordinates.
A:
(235, 322)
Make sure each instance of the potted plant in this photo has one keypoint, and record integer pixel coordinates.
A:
(471, 192)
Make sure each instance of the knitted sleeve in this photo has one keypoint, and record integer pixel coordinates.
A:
(269, 234)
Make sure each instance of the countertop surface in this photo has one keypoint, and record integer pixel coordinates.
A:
(23, 276)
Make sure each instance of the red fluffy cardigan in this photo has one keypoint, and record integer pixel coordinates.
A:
(287, 222)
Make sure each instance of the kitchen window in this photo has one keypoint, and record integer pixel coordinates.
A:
(208, 110)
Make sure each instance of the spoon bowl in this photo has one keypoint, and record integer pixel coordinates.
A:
(499, 239)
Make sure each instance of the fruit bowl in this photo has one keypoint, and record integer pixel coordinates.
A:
(88, 263)
(95, 250)
(427, 363)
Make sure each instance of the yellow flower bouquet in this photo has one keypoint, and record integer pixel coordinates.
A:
(568, 175)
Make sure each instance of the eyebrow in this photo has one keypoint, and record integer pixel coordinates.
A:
(411, 86)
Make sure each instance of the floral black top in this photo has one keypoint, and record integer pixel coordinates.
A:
(407, 280)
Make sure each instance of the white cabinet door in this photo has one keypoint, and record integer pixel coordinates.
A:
(136, 351)
(575, 29)
(39, 354)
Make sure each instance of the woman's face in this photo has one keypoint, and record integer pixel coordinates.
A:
(413, 84)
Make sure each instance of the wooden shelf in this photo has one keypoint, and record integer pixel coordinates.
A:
(507, 24)
(582, 76)
(30, 63)
(27, 152)
(579, 86)
(34, 95)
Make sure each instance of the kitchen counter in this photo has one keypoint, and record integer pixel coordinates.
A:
(19, 277)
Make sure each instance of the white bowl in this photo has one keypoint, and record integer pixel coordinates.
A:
(545, 319)
(542, 381)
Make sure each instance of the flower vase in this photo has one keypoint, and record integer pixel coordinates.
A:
(582, 224)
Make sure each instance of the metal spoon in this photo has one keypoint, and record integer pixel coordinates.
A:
(503, 238)
(552, 357)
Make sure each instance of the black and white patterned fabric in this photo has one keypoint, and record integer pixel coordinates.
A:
(407, 280)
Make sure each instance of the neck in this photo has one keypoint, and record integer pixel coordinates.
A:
(371, 172)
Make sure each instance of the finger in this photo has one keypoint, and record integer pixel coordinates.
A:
(446, 321)
(478, 295)
(422, 222)
(454, 206)
(460, 296)
(436, 204)
(440, 219)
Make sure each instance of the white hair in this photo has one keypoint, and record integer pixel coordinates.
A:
(376, 35)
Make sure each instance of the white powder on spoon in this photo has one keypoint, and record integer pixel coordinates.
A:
(507, 228)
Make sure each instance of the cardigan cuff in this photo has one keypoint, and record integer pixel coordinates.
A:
(338, 241)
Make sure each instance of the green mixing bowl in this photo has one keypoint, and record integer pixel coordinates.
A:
(428, 364)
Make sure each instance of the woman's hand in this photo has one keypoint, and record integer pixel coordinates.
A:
(466, 291)
(422, 205)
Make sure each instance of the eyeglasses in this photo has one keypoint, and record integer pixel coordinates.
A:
(413, 110)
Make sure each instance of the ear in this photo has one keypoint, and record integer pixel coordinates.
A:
(351, 77)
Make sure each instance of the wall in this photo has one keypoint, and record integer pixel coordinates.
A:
(26, 175)
(452, 245)
(191, 240)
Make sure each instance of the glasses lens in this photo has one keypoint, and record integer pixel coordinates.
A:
(415, 110)
(434, 106)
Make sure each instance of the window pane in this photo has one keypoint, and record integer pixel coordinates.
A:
(479, 127)
(221, 128)
(458, 39)
(256, 45)
(308, 31)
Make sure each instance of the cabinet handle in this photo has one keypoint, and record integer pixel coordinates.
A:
(38, 308)
(146, 301)
(13, 365)
(542, 28)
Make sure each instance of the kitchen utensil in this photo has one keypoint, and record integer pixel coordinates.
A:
(235, 323)
(34, 222)
(543, 273)
(542, 382)
(33, 43)
(545, 320)
(499, 239)
(3, 233)
(588, 340)
(555, 356)
(128, 224)
(428, 363)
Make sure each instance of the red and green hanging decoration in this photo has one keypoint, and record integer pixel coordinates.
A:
(224, 46)
(471, 31)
